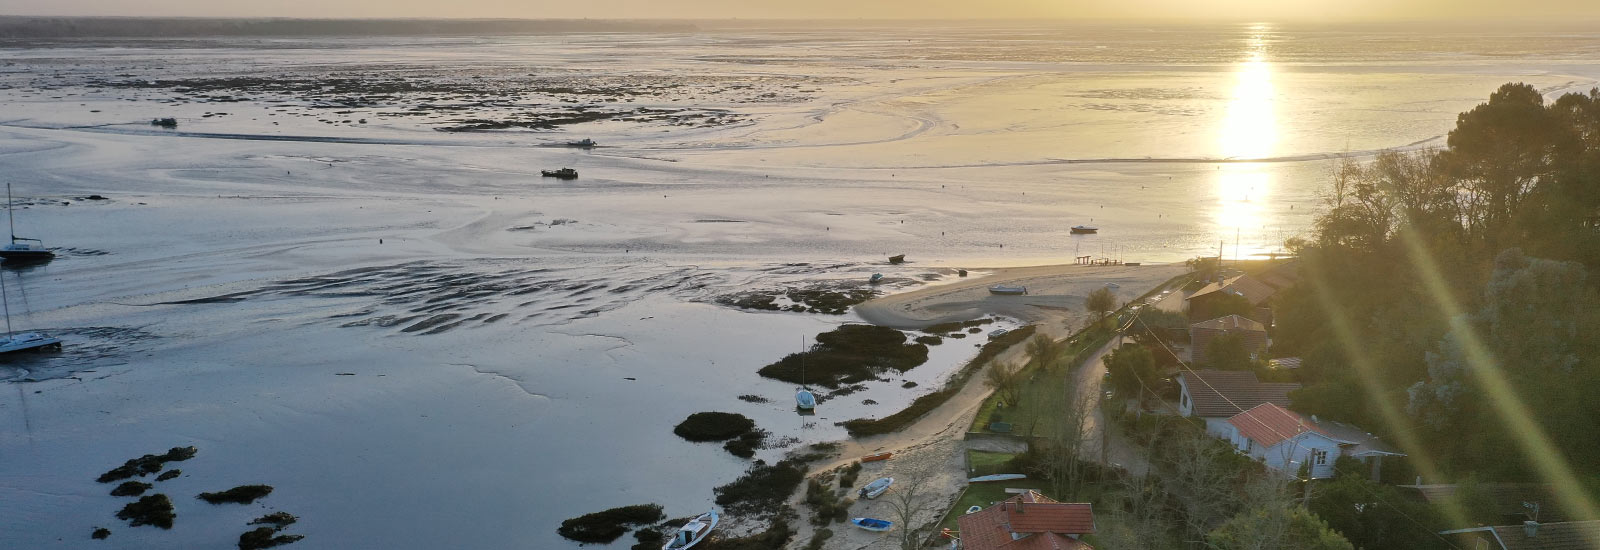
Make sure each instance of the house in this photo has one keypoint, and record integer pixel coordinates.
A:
(1029, 521)
(1217, 395)
(1206, 302)
(1531, 535)
(1513, 502)
(1286, 441)
(1202, 334)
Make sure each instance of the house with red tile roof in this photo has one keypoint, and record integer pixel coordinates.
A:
(1286, 441)
(1216, 395)
(1029, 521)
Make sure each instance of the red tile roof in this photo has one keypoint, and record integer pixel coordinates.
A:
(1268, 424)
(1041, 520)
(1217, 392)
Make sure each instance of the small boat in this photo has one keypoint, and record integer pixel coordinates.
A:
(805, 400)
(1113, 285)
(876, 488)
(997, 477)
(22, 251)
(876, 277)
(876, 457)
(693, 532)
(167, 122)
(1131, 264)
(29, 340)
(585, 142)
(961, 273)
(974, 509)
(996, 333)
(1084, 229)
(564, 173)
(1008, 290)
(873, 524)
(897, 259)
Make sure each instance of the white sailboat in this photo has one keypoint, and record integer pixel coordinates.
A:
(803, 398)
(21, 251)
(22, 341)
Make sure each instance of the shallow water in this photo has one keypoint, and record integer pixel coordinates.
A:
(467, 382)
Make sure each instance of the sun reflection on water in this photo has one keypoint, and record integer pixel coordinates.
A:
(1249, 130)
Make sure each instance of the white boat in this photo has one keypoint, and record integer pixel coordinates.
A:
(1008, 290)
(805, 400)
(1083, 229)
(997, 477)
(23, 341)
(693, 532)
(876, 488)
(873, 524)
(21, 251)
(996, 333)
(1113, 285)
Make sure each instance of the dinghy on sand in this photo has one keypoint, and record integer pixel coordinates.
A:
(872, 524)
(876, 488)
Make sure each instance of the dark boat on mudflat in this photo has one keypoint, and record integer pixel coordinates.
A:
(564, 173)
(897, 259)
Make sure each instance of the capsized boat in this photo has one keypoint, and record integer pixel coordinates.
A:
(876, 457)
(24, 251)
(1084, 229)
(693, 532)
(805, 400)
(997, 477)
(876, 488)
(1005, 290)
(873, 524)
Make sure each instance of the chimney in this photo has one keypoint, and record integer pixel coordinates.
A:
(1019, 505)
(1530, 528)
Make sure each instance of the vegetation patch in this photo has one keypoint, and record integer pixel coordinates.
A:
(130, 489)
(609, 525)
(265, 537)
(849, 354)
(100, 533)
(847, 478)
(149, 510)
(745, 445)
(147, 464)
(713, 426)
(649, 539)
(827, 505)
(276, 519)
(929, 340)
(243, 494)
(776, 536)
(825, 298)
(956, 326)
(870, 426)
(762, 489)
(751, 398)
(169, 474)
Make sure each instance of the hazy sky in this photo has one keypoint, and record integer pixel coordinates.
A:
(1252, 10)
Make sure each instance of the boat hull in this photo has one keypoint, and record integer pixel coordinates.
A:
(29, 342)
(26, 255)
(872, 524)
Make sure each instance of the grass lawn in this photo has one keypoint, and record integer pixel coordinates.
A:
(986, 459)
(984, 494)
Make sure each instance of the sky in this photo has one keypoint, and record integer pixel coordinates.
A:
(1237, 10)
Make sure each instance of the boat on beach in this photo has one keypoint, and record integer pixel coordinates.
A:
(876, 488)
(901, 258)
(27, 250)
(1084, 229)
(564, 173)
(1005, 290)
(876, 277)
(693, 532)
(875, 457)
(873, 524)
(585, 142)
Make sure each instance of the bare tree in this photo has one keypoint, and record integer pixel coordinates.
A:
(1200, 480)
(907, 502)
(1043, 350)
(1006, 379)
(1065, 438)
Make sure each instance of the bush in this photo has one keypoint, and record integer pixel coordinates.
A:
(713, 426)
(130, 489)
(264, 537)
(609, 525)
(818, 538)
(848, 355)
(930, 340)
(762, 488)
(746, 444)
(847, 478)
(169, 474)
(649, 539)
(243, 494)
(147, 464)
(100, 533)
(275, 519)
(776, 536)
(149, 510)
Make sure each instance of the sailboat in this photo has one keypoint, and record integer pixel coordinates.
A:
(803, 398)
(23, 341)
(21, 251)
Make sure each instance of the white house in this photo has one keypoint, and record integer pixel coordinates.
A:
(1286, 441)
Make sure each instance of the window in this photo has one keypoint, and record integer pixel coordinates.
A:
(1320, 457)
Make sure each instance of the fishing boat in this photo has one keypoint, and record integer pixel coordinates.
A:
(876, 277)
(21, 249)
(1008, 290)
(564, 173)
(876, 488)
(875, 457)
(873, 524)
(1084, 229)
(585, 142)
(693, 532)
(997, 477)
(897, 259)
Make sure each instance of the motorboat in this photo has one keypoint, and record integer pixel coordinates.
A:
(22, 249)
(693, 532)
(564, 173)
(29, 341)
(875, 457)
(873, 524)
(1084, 229)
(876, 488)
(1005, 290)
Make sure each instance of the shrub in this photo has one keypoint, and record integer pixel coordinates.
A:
(847, 478)
(130, 489)
(713, 426)
(649, 539)
(100, 533)
(275, 519)
(243, 494)
(746, 444)
(147, 464)
(264, 537)
(818, 538)
(847, 355)
(169, 474)
(609, 525)
(149, 510)
(762, 488)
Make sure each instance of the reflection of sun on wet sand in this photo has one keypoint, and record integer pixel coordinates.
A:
(1055, 292)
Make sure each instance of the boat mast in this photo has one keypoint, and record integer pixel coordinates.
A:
(4, 303)
(10, 220)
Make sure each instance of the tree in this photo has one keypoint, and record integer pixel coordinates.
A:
(1228, 352)
(1100, 302)
(1225, 304)
(1006, 379)
(907, 502)
(1044, 350)
(1132, 367)
(1373, 516)
(1277, 528)
(1066, 439)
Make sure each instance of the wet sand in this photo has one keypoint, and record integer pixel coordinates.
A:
(1055, 293)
